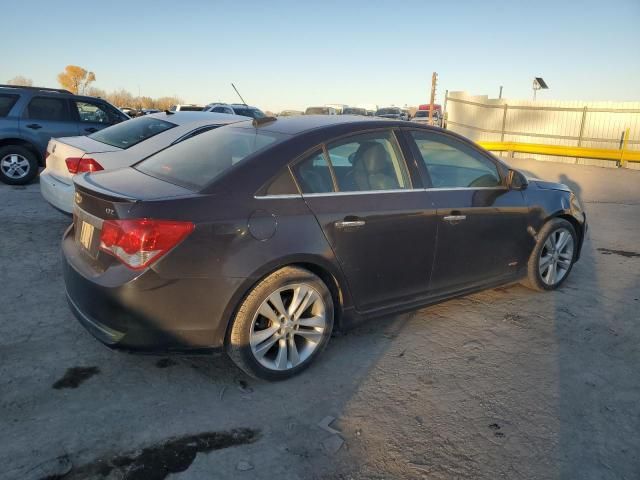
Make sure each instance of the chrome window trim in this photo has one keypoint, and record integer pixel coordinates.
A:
(277, 197)
(362, 192)
(438, 189)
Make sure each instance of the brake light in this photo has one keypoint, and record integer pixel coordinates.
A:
(82, 165)
(138, 243)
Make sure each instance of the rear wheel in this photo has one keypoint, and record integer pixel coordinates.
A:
(18, 165)
(553, 256)
(282, 325)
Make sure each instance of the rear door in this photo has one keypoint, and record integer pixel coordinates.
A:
(381, 229)
(482, 232)
(47, 116)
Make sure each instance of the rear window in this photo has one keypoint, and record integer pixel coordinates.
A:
(127, 134)
(196, 163)
(248, 112)
(6, 104)
(190, 108)
(388, 111)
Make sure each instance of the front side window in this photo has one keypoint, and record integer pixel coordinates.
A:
(453, 165)
(92, 113)
(196, 163)
(368, 162)
(6, 104)
(127, 134)
(313, 174)
(48, 108)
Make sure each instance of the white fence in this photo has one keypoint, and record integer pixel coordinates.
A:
(575, 124)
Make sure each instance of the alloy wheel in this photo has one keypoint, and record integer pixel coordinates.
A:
(288, 327)
(556, 256)
(15, 166)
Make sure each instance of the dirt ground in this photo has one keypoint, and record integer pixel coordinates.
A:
(507, 383)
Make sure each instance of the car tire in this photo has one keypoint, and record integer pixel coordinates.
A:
(18, 165)
(553, 256)
(259, 340)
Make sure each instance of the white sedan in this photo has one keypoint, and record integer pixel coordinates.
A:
(118, 146)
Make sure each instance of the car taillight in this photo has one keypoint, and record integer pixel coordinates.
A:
(137, 243)
(81, 165)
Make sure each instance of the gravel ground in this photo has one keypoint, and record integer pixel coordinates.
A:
(506, 383)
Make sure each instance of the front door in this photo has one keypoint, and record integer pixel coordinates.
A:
(482, 229)
(381, 230)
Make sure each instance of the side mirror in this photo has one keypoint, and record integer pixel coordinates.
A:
(516, 180)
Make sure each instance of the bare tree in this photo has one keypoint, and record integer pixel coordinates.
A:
(76, 79)
(20, 81)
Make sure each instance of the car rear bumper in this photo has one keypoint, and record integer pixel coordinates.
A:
(56, 192)
(143, 312)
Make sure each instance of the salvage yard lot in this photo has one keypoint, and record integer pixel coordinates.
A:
(507, 383)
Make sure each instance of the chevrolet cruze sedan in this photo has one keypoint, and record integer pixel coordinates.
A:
(263, 237)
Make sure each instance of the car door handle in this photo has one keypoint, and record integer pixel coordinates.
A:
(34, 126)
(91, 130)
(454, 218)
(350, 223)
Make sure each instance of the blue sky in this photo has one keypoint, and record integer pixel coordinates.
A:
(292, 54)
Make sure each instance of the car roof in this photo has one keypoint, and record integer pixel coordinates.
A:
(197, 118)
(303, 123)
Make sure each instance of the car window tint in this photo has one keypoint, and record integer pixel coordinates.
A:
(127, 134)
(313, 174)
(454, 166)
(93, 113)
(6, 104)
(196, 163)
(368, 162)
(48, 108)
(282, 185)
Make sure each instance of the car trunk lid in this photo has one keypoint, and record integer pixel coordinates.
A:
(59, 149)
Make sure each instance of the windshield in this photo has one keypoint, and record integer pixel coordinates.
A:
(248, 112)
(195, 163)
(388, 111)
(317, 111)
(127, 134)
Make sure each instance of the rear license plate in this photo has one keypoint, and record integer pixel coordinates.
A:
(86, 235)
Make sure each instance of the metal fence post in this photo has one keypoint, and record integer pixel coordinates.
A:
(582, 122)
(625, 141)
(504, 122)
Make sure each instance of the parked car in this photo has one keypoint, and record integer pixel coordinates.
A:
(354, 111)
(30, 116)
(395, 113)
(131, 112)
(290, 113)
(235, 109)
(118, 146)
(259, 239)
(422, 116)
(190, 107)
(320, 111)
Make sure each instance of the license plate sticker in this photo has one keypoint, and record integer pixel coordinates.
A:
(86, 235)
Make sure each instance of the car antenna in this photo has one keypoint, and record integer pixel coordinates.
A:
(169, 112)
(234, 87)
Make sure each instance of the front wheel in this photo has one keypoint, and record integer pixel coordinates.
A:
(18, 165)
(282, 325)
(553, 256)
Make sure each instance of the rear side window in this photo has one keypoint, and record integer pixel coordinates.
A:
(6, 104)
(313, 174)
(90, 112)
(48, 108)
(196, 163)
(127, 134)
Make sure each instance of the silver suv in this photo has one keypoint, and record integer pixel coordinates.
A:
(235, 109)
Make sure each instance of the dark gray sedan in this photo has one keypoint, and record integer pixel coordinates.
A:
(263, 237)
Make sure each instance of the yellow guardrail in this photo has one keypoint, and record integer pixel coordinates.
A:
(622, 155)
